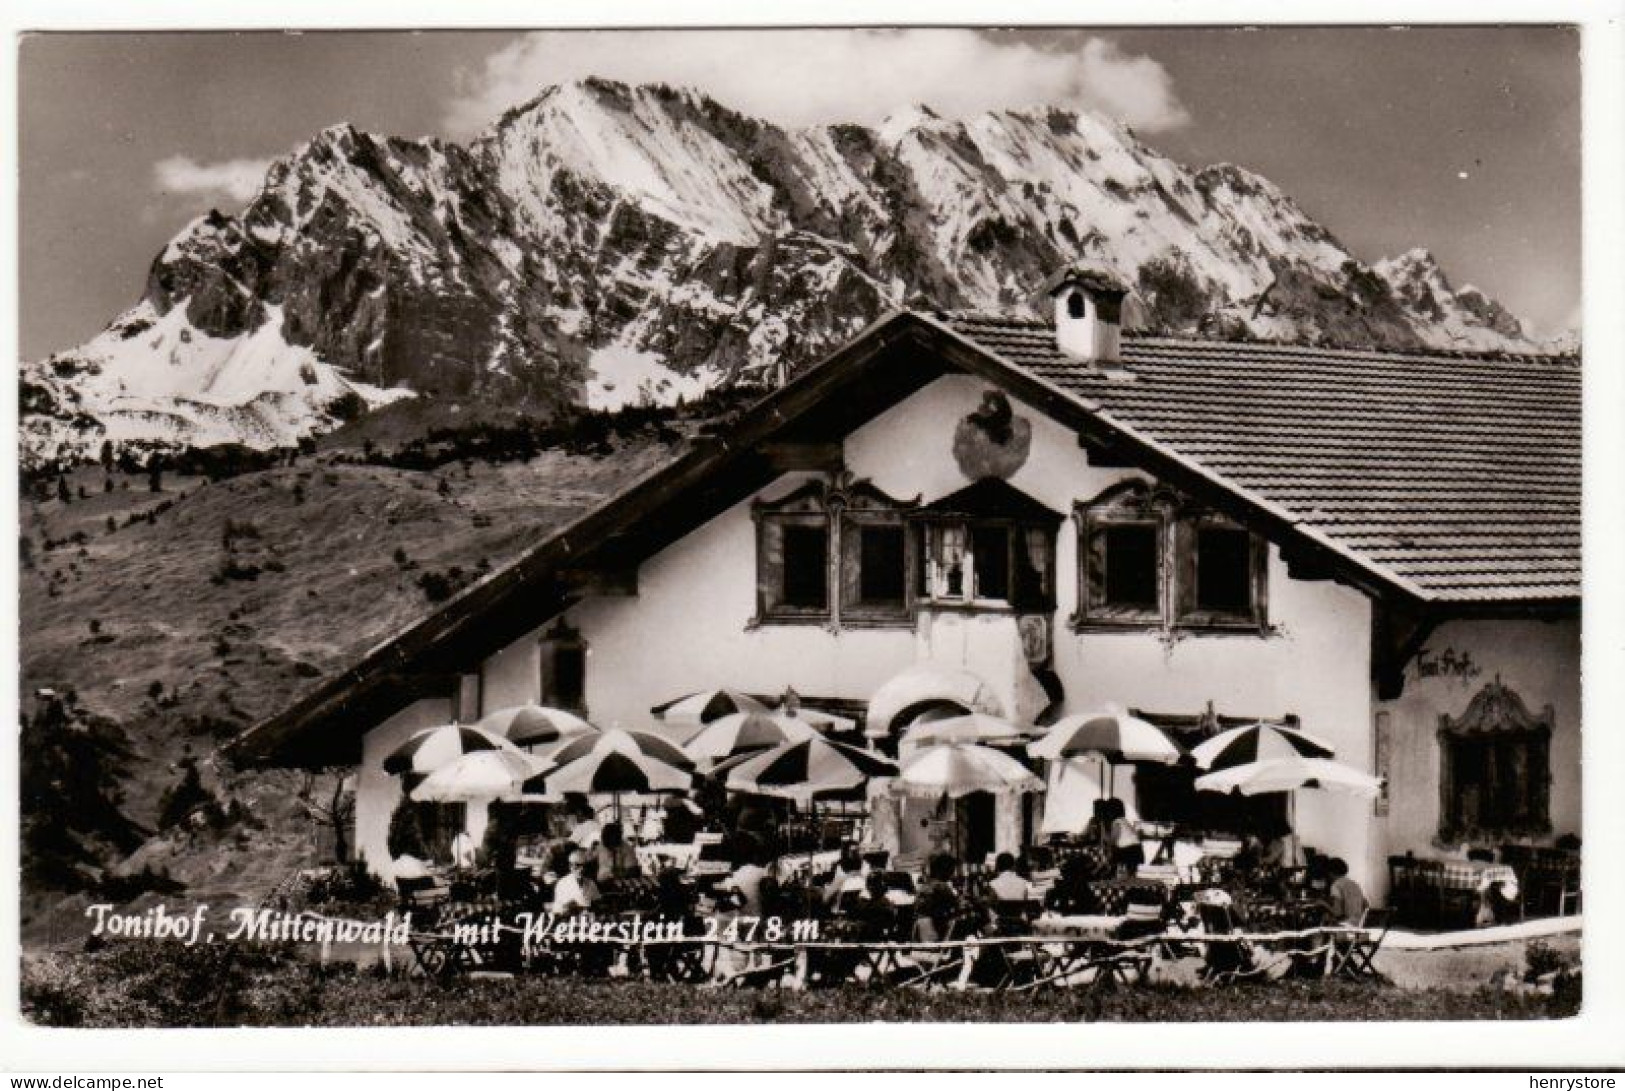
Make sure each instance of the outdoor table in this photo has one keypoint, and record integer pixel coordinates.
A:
(798, 864)
(657, 856)
(1474, 875)
(1293, 915)
(623, 895)
(1451, 891)
(1113, 894)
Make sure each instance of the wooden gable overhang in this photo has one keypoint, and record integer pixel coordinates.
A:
(800, 426)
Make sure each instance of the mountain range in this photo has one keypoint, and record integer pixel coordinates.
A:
(603, 244)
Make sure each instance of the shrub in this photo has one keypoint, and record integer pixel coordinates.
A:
(405, 837)
(125, 888)
(1542, 958)
(182, 798)
(440, 586)
(350, 885)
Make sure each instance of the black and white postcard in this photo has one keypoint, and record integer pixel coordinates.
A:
(975, 525)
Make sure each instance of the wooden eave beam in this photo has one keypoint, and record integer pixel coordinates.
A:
(825, 457)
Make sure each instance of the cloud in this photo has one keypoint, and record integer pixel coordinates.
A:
(805, 77)
(236, 179)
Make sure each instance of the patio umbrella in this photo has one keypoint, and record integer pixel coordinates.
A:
(1258, 742)
(429, 749)
(806, 769)
(746, 732)
(977, 727)
(790, 705)
(650, 746)
(1288, 774)
(483, 774)
(615, 762)
(958, 769)
(533, 725)
(1112, 735)
(699, 709)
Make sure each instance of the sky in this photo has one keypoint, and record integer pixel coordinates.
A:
(1462, 140)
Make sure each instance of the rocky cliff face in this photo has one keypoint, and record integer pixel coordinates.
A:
(606, 243)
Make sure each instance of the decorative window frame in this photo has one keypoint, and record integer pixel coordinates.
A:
(840, 504)
(1495, 710)
(1186, 613)
(1177, 521)
(1020, 517)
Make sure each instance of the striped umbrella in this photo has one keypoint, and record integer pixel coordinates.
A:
(483, 774)
(649, 745)
(1112, 735)
(746, 732)
(533, 725)
(699, 709)
(429, 749)
(615, 761)
(1288, 775)
(1258, 742)
(806, 769)
(977, 727)
(958, 769)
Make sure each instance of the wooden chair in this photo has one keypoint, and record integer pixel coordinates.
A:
(1223, 961)
(1352, 956)
(1402, 887)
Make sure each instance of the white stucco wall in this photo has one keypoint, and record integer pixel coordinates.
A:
(376, 791)
(1539, 661)
(688, 629)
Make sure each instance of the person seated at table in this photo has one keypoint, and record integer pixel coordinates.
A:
(745, 884)
(616, 859)
(937, 903)
(874, 914)
(849, 868)
(679, 823)
(586, 831)
(1007, 884)
(1345, 901)
(1284, 853)
(578, 891)
(1071, 895)
(1097, 830)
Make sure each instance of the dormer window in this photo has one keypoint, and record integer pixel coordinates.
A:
(1075, 305)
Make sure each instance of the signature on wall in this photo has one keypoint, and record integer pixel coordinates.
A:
(1448, 663)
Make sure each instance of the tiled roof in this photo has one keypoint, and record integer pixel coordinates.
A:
(1455, 475)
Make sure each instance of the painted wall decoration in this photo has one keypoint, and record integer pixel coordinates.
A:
(992, 441)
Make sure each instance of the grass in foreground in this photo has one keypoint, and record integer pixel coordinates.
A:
(152, 986)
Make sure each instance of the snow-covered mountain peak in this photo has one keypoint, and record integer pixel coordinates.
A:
(606, 241)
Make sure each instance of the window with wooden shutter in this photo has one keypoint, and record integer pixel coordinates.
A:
(833, 552)
(989, 546)
(1494, 769)
(1148, 558)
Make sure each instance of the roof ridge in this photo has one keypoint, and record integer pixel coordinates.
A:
(1024, 322)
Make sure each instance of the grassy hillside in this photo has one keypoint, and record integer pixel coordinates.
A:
(188, 614)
